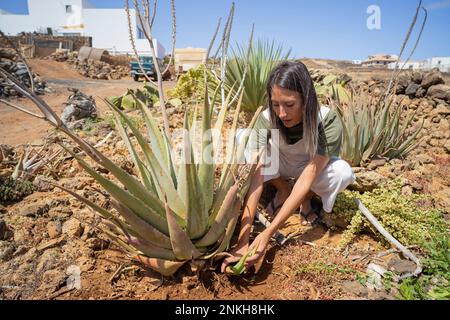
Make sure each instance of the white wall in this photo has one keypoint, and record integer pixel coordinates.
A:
(107, 27)
(44, 14)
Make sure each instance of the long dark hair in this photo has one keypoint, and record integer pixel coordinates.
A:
(295, 76)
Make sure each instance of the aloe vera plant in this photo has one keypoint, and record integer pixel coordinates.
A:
(168, 214)
(251, 67)
(374, 127)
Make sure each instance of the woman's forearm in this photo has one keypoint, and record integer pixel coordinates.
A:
(250, 205)
(299, 192)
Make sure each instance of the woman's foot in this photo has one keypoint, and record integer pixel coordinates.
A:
(310, 212)
(276, 203)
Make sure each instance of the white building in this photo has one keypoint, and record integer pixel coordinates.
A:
(380, 60)
(107, 27)
(441, 63)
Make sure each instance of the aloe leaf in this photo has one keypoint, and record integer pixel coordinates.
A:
(206, 167)
(142, 228)
(224, 243)
(164, 183)
(143, 173)
(140, 208)
(239, 268)
(190, 191)
(165, 267)
(182, 246)
(218, 226)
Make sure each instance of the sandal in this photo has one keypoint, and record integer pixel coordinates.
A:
(274, 208)
(316, 208)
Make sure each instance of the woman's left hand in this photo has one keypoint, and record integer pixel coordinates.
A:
(260, 243)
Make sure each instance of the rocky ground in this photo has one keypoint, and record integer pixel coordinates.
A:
(112, 69)
(49, 241)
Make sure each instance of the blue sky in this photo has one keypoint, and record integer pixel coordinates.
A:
(334, 29)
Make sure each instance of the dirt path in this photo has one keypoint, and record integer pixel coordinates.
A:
(18, 128)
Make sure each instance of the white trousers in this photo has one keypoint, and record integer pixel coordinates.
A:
(336, 176)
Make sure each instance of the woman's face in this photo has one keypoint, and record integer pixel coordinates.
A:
(287, 105)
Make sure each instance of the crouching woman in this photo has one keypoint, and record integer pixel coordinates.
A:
(309, 145)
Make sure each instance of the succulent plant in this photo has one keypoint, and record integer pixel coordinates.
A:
(374, 127)
(12, 190)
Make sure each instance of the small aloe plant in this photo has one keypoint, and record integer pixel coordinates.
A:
(374, 127)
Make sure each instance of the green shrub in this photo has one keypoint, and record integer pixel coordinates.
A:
(405, 217)
(190, 86)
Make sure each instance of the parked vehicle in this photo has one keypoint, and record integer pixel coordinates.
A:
(148, 66)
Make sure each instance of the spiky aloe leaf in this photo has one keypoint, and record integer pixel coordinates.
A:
(140, 208)
(143, 172)
(150, 250)
(142, 227)
(155, 136)
(189, 189)
(225, 241)
(217, 228)
(206, 167)
(182, 246)
(164, 183)
(165, 267)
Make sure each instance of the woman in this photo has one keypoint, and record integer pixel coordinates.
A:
(309, 146)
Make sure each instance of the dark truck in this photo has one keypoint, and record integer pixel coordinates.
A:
(147, 65)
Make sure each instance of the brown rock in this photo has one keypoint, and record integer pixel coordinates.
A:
(34, 209)
(54, 229)
(439, 91)
(401, 266)
(72, 228)
(367, 181)
(431, 79)
(5, 232)
(417, 77)
(376, 163)
(412, 89)
(421, 92)
(355, 287)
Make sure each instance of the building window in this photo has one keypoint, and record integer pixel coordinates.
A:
(68, 9)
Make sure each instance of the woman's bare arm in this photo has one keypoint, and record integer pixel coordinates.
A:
(298, 194)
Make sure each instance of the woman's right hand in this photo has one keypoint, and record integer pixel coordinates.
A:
(236, 254)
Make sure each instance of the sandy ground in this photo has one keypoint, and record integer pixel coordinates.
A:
(18, 128)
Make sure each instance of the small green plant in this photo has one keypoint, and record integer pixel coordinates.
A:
(405, 217)
(147, 94)
(434, 283)
(387, 279)
(322, 267)
(12, 190)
